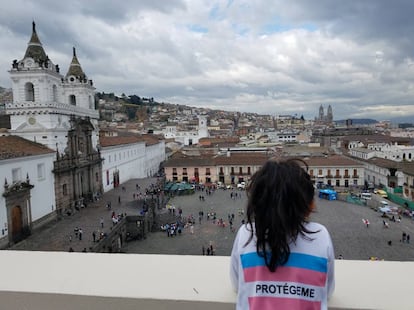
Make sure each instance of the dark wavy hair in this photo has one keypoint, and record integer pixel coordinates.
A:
(280, 196)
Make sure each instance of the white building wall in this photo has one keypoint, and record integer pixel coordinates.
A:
(42, 194)
(135, 160)
(375, 174)
(154, 156)
(128, 159)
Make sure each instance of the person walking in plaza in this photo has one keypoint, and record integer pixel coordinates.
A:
(280, 259)
(80, 232)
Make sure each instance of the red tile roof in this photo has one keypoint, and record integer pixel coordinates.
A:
(119, 140)
(14, 147)
(128, 139)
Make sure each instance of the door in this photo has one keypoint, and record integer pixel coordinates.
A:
(17, 224)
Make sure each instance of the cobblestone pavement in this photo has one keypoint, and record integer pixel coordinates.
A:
(351, 238)
(60, 235)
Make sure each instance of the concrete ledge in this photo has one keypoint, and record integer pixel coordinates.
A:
(59, 280)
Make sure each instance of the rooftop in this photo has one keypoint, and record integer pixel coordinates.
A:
(14, 147)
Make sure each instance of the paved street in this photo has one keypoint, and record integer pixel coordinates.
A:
(351, 238)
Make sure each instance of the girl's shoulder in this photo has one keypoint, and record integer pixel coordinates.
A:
(313, 226)
(317, 231)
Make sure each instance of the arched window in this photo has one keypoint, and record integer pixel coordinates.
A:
(29, 92)
(72, 99)
(55, 93)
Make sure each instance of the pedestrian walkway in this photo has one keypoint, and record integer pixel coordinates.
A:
(96, 217)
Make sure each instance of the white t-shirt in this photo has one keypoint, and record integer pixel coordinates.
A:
(306, 281)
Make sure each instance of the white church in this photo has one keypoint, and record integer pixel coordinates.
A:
(51, 156)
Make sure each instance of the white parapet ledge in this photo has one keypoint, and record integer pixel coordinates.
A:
(60, 280)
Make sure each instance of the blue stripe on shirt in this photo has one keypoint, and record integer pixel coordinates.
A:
(298, 260)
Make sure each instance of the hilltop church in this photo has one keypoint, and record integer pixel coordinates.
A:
(51, 157)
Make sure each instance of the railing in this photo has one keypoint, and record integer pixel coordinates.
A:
(60, 280)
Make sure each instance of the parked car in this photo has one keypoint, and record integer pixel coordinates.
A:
(381, 193)
(241, 185)
(366, 196)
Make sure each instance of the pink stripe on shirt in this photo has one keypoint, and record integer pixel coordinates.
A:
(285, 274)
(266, 303)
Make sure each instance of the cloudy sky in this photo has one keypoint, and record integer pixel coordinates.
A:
(270, 57)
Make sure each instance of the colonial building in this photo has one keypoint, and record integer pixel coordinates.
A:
(236, 167)
(324, 119)
(59, 112)
(50, 157)
(188, 136)
(129, 157)
(27, 196)
(408, 185)
(336, 170)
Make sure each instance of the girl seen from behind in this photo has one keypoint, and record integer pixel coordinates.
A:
(280, 260)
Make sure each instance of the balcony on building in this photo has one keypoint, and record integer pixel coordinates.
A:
(62, 280)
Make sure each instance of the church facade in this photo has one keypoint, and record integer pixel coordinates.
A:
(59, 165)
(58, 111)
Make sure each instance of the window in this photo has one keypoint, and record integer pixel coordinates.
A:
(16, 175)
(240, 170)
(72, 99)
(185, 171)
(29, 92)
(207, 171)
(174, 170)
(54, 94)
(40, 171)
(90, 103)
(64, 189)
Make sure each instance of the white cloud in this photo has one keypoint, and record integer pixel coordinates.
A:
(234, 55)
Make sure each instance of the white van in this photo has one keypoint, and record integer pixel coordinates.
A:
(366, 196)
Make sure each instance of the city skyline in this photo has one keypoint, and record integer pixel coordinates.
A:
(264, 57)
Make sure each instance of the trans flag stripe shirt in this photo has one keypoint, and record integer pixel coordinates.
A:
(304, 282)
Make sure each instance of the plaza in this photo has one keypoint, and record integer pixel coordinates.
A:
(351, 238)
